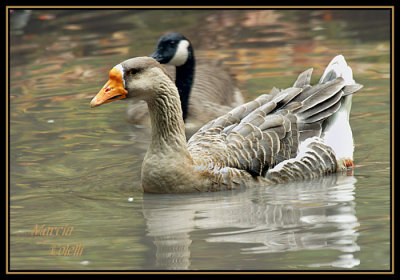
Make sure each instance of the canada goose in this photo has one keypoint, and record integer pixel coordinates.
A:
(297, 133)
(206, 88)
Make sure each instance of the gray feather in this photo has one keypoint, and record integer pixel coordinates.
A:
(351, 89)
(259, 135)
(325, 92)
(303, 79)
(325, 105)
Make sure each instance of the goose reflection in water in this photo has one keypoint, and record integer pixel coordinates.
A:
(311, 215)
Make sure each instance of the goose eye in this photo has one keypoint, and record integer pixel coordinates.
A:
(133, 72)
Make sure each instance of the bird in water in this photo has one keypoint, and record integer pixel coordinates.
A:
(296, 133)
(206, 88)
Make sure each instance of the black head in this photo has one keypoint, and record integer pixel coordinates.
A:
(172, 48)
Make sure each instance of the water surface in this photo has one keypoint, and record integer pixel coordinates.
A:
(76, 167)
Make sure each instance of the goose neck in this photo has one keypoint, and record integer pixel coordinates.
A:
(168, 131)
(184, 82)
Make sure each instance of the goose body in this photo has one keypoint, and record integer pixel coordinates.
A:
(206, 89)
(281, 136)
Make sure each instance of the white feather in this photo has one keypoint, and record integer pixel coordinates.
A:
(338, 132)
(119, 67)
(339, 65)
(181, 54)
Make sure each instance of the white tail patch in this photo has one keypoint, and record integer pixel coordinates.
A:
(339, 66)
(337, 133)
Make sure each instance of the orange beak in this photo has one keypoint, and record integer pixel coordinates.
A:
(112, 90)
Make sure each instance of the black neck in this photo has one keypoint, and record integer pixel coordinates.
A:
(184, 81)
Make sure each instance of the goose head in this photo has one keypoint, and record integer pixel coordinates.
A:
(135, 78)
(173, 49)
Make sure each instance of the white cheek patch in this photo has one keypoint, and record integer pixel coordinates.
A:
(119, 67)
(181, 54)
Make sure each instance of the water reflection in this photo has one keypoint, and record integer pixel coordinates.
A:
(312, 215)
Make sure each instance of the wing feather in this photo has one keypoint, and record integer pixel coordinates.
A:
(265, 134)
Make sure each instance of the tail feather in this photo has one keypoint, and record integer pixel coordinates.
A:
(337, 132)
(338, 68)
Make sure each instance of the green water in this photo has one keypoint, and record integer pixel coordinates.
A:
(75, 167)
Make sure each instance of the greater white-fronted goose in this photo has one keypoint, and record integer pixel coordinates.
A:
(297, 133)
